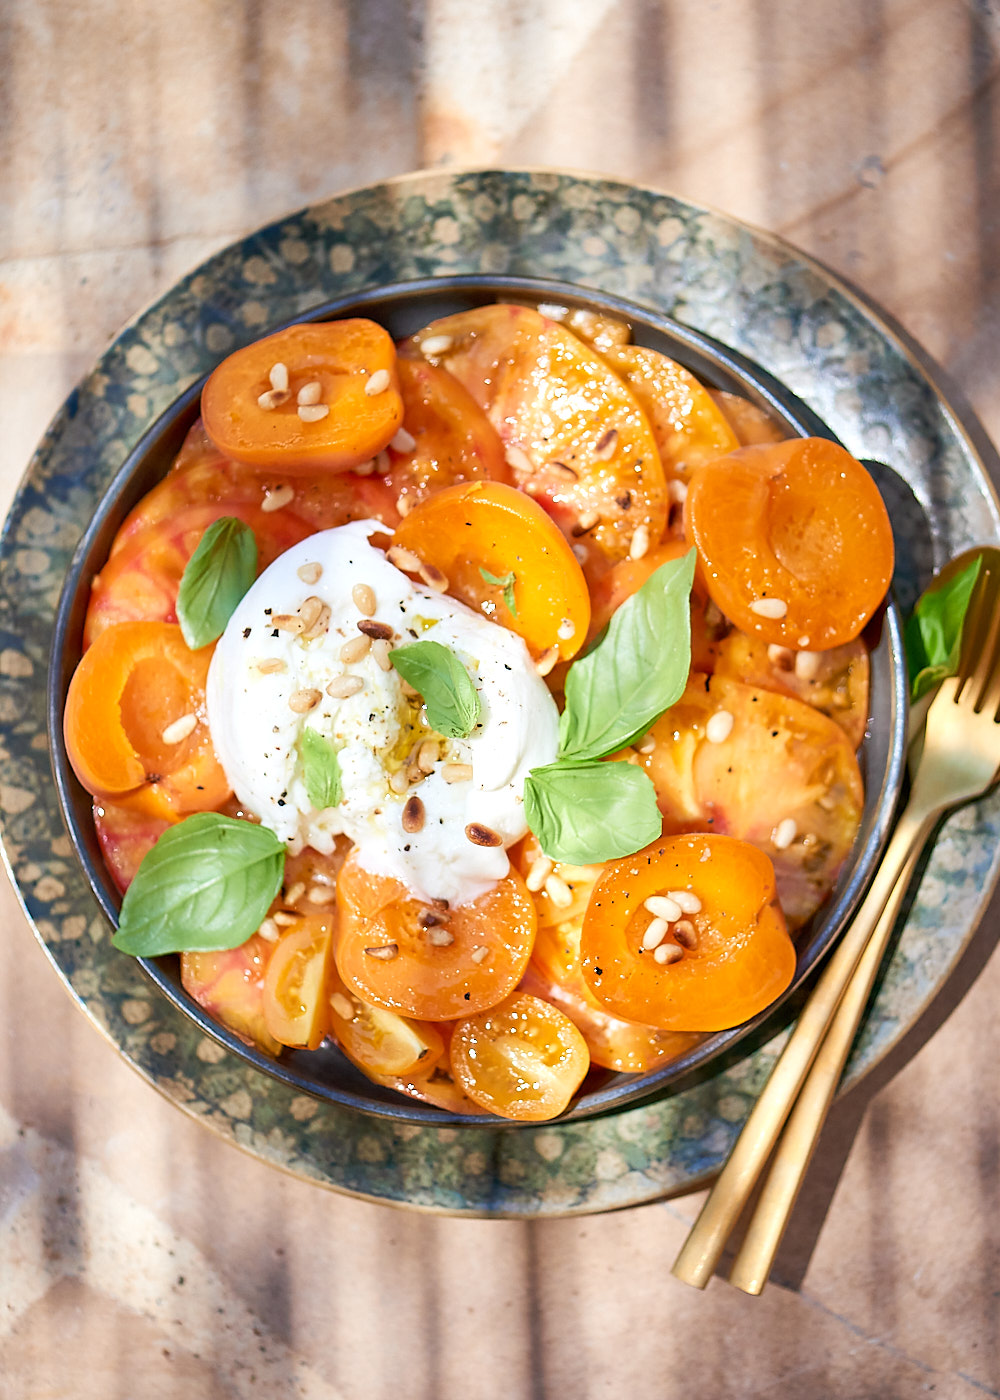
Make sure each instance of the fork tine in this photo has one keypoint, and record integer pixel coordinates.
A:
(987, 673)
(980, 630)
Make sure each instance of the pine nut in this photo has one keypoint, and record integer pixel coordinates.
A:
(272, 398)
(376, 630)
(271, 665)
(668, 953)
(684, 932)
(310, 573)
(481, 835)
(310, 612)
(384, 952)
(640, 542)
(402, 441)
(719, 727)
(320, 894)
(309, 393)
(434, 578)
(344, 686)
(313, 412)
(278, 377)
(380, 651)
(277, 497)
(269, 930)
(363, 597)
(686, 900)
(181, 728)
(547, 660)
(399, 782)
(288, 622)
(656, 932)
(413, 815)
(427, 755)
(378, 382)
(355, 649)
(540, 871)
(440, 937)
(457, 772)
(295, 892)
(342, 1007)
(663, 907)
(436, 345)
(518, 458)
(403, 559)
(480, 954)
(558, 891)
(807, 664)
(302, 701)
(773, 608)
(784, 834)
(285, 920)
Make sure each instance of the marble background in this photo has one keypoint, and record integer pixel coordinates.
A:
(139, 1255)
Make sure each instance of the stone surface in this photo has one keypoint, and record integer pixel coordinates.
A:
(140, 1254)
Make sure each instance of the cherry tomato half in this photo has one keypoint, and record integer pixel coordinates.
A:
(381, 1042)
(726, 961)
(229, 984)
(524, 1059)
(392, 951)
(296, 992)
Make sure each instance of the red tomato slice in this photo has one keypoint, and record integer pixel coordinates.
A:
(125, 837)
(781, 762)
(296, 984)
(795, 541)
(229, 984)
(140, 581)
(575, 436)
(419, 973)
(523, 1059)
(452, 438)
(728, 959)
(254, 417)
(132, 687)
(489, 526)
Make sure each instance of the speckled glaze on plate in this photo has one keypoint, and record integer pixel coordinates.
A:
(743, 287)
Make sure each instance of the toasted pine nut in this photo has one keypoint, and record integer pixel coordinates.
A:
(457, 772)
(380, 651)
(413, 815)
(344, 686)
(302, 701)
(277, 497)
(547, 660)
(288, 622)
(363, 597)
(272, 398)
(320, 894)
(668, 953)
(403, 559)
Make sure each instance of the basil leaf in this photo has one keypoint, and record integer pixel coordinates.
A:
(320, 770)
(506, 583)
(450, 698)
(932, 638)
(589, 812)
(616, 691)
(206, 884)
(217, 575)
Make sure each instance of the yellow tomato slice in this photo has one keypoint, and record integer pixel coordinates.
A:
(523, 1059)
(765, 768)
(296, 992)
(575, 436)
(689, 426)
(483, 527)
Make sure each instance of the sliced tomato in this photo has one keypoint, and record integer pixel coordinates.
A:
(229, 984)
(795, 541)
(391, 949)
(689, 426)
(596, 328)
(523, 1059)
(131, 688)
(782, 770)
(380, 1042)
(140, 582)
(750, 423)
(438, 1088)
(125, 838)
(203, 476)
(452, 438)
(834, 682)
(296, 983)
(574, 435)
(489, 528)
(731, 956)
(253, 416)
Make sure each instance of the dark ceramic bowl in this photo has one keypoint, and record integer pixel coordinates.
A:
(403, 309)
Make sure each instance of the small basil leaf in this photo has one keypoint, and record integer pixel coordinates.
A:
(320, 770)
(206, 884)
(435, 672)
(506, 582)
(584, 813)
(217, 575)
(616, 691)
(932, 637)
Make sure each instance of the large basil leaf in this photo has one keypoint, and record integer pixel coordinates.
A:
(932, 637)
(640, 667)
(584, 813)
(450, 698)
(206, 884)
(217, 575)
(320, 770)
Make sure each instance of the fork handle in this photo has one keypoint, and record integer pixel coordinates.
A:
(703, 1247)
(801, 1133)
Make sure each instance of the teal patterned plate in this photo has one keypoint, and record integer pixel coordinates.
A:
(743, 287)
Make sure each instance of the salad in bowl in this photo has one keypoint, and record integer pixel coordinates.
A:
(479, 703)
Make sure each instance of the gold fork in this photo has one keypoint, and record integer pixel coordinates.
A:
(960, 760)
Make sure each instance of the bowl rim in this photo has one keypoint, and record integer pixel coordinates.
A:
(710, 360)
